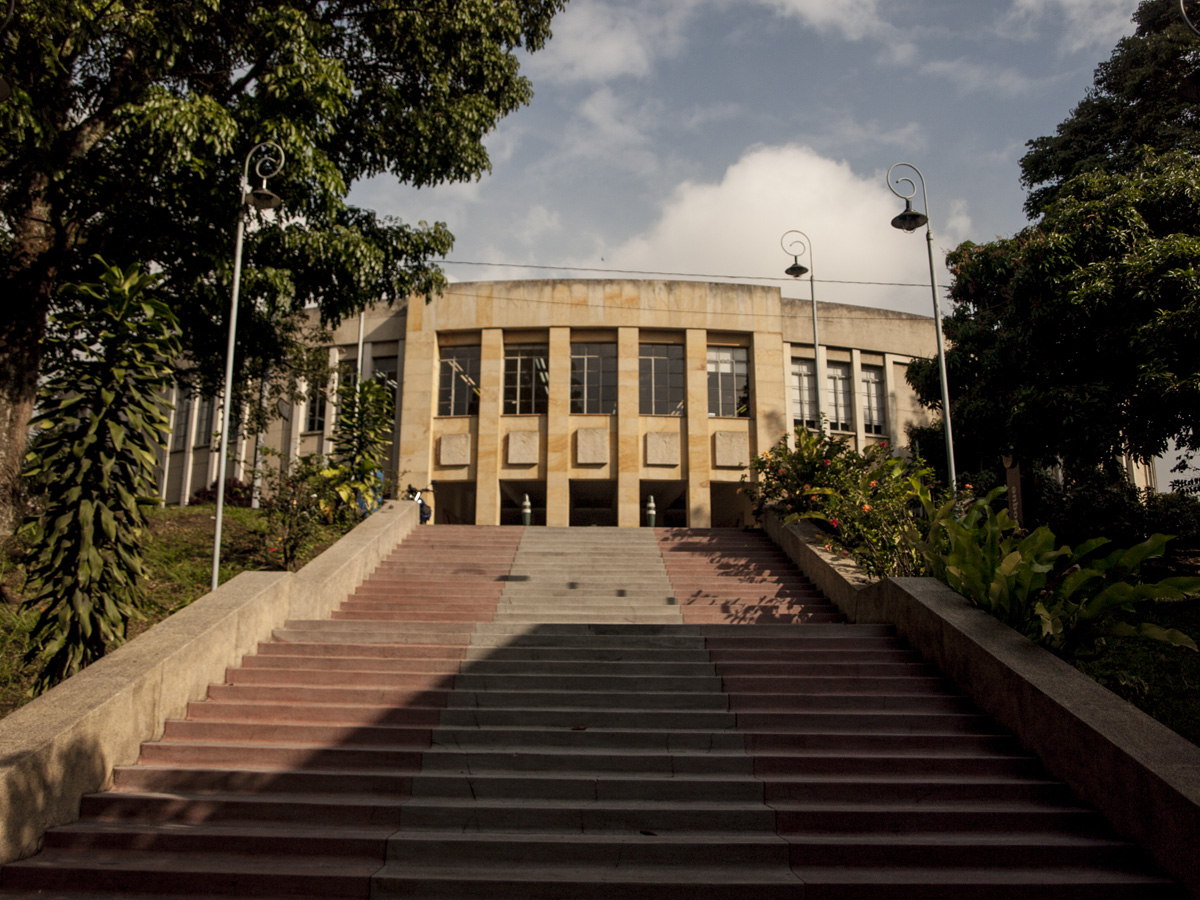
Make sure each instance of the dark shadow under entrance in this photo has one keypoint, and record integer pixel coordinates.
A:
(594, 503)
(670, 501)
(512, 496)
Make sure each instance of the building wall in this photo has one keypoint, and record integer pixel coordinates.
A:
(598, 468)
(705, 456)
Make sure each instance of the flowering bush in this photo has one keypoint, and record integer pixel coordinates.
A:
(295, 496)
(865, 500)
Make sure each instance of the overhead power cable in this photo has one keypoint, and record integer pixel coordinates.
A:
(613, 271)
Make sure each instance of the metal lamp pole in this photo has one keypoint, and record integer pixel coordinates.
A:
(1183, 12)
(909, 221)
(796, 270)
(270, 161)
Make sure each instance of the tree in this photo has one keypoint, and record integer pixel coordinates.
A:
(103, 422)
(129, 121)
(1074, 340)
(1136, 102)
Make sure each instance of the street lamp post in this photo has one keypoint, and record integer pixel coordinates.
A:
(270, 161)
(1183, 12)
(796, 270)
(909, 221)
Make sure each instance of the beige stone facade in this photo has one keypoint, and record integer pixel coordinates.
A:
(592, 396)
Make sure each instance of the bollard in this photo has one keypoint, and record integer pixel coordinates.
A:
(526, 511)
(651, 512)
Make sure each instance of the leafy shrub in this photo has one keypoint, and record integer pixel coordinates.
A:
(361, 440)
(237, 493)
(864, 501)
(296, 497)
(1062, 598)
(1174, 513)
(102, 422)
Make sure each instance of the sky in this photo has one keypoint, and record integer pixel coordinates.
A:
(685, 137)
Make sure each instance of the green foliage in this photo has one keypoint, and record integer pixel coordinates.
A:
(295, 492)
(361, 440)
(1062, 598)
(102, 421)
(1135, 103)
(865, 501)
(129, 123)
(1073, 341)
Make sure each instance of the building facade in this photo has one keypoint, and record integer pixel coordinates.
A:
(591, 397)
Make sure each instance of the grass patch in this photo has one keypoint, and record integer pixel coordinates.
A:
(1161, 680)
(178, 560)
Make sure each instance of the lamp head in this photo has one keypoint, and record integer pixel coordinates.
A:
(909, 220)
(795, 269)
(261, 198)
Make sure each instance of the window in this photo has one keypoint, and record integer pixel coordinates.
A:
(839, 409)
(526, 379)
(315, 418)
(183, 410)
(804, 392)
(728, 381)
(874, 405)
(204, 422)
(385, 368)
(661, 383)
(593, 378)
(458, 384)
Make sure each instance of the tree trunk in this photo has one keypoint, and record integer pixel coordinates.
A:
(27, 285)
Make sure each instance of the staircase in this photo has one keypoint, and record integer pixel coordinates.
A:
(584, 713)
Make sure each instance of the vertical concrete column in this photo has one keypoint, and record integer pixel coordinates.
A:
(331, 403)
(189, 453)
(629, 451)
(487, 452)
(789, 400)
(699, 457)
(420, 407)
(164, 455)
(558, 435)
(856, 400)
(892, 407)
(769, 391)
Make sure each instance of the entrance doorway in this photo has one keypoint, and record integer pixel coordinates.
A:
(670, 501)
(512, 496)
(594, 503)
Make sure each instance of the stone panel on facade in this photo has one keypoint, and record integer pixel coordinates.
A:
(732, 450)
(523, 447)
(662, 448)
(454, 450)
(591, 446)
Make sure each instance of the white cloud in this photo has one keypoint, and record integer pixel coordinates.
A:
(601, 40)
(537, 223)
(969, 77)
(733, 228)
(1086, 24)
(608, 129)
(853, 19)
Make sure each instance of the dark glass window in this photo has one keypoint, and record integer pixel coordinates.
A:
(804, 392)
(728, 381)
(662, 386)
(526, 379)
(458, 385)
(593, 378)
(314, 419)
(874, 419)
(840, 404)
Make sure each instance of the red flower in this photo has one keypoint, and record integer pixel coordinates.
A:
(826, 462)
(833, 522)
